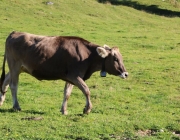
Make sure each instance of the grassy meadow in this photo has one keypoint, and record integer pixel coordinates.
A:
(146, 106)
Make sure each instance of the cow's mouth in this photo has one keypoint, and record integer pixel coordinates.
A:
(124, 75)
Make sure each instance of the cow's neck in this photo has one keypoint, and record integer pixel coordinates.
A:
(98, 64)
(103, 71)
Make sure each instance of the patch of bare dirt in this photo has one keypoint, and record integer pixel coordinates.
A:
(143, 133)
(177, 133)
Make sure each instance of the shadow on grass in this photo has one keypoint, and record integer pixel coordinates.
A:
(71, 136)
(7, 110)
(153, 9)
(34, 112)
(25, 111)
(76, 117)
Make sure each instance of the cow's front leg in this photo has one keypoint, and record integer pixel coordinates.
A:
(67, 92)
(84, 88)
(4, 88)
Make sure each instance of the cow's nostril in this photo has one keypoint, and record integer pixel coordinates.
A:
(126, 74)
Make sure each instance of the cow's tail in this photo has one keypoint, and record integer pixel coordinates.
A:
(3, 73)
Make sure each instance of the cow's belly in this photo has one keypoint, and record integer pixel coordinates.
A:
(48, 73)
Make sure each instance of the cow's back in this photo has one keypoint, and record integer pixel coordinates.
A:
(48, 57)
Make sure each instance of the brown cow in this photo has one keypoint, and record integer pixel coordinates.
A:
(71, 59)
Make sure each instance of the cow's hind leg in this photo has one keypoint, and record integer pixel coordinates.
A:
(14, 71)
(4, 88)
(67, 92)
(14, 87)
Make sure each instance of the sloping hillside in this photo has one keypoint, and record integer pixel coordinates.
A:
(144, 106)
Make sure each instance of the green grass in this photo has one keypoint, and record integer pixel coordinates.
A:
(145, 106)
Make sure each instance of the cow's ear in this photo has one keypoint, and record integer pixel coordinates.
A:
(106, 46)
(102, 52)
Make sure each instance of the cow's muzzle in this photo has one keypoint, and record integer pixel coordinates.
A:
(124, 75)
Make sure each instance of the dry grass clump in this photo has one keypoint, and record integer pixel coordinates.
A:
(175, 3)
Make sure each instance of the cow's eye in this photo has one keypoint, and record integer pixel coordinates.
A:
(115, 59)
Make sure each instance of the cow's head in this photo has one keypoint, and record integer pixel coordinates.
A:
(113, 61)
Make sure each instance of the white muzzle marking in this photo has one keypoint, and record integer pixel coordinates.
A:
(124, 75)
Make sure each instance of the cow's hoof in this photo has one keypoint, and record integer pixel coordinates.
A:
(16, 109)
(64, 112)
(86, 111)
